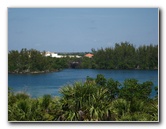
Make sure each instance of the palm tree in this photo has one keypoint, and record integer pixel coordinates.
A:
(85, 101)
(119, 108)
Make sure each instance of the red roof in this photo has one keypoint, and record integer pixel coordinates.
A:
(89, 55)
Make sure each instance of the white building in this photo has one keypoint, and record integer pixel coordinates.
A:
(52, 54)
(56, 55)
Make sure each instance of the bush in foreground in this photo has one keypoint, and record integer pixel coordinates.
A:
(94, 100)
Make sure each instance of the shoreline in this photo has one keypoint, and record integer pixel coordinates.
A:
(58, 70)
(35, 72)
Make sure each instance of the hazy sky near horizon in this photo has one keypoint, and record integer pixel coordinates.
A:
(80, 29)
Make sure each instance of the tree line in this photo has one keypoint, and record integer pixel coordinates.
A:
(122, 56)
(31, 61)
(96, 99)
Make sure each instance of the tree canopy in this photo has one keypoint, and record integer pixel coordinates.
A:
(122, 56)
(126, 56)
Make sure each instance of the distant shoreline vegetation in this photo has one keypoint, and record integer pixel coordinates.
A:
(121, 56)
(33, 72)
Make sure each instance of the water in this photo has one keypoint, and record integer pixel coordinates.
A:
(39, 84)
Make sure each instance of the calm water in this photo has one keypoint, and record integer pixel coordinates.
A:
(39, 84)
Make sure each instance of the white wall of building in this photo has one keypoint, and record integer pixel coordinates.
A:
(51, 54)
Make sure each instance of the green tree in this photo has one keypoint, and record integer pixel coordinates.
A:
(132, 89)
(100, 80)
(13, 61)
(85, 102)
(113, 88)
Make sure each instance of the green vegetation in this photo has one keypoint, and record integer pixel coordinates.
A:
(126, 56)
(33, 61)
(94, 100)
(122, 56)
(97, 99)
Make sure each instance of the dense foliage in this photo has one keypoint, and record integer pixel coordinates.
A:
(122, 56)
(27, 61)
(94, 100)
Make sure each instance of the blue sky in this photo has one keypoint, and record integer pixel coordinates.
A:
(80, 29)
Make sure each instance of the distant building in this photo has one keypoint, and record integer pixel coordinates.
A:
(89, 55)
(52, 54)
(72, 56)
(56, 55)
(48, 53)
(78, 56)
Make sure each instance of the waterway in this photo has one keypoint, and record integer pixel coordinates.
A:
(37, 85)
